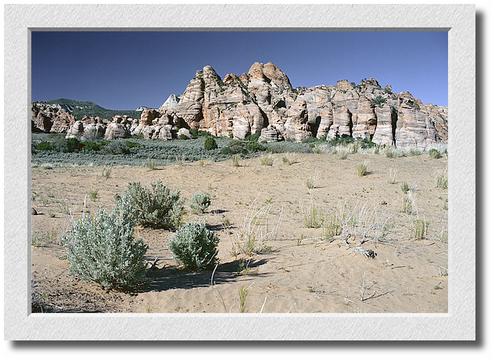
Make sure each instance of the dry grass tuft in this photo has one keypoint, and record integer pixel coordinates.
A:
(313, 218)
(392, 176)
(420, 229)
(253, 235)
(362, 169)
(266, 160)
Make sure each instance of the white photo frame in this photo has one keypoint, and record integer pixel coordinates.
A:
(460, 321)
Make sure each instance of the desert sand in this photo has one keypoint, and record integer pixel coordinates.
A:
(297, 269)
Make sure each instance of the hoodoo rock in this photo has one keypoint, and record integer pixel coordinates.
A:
(119, 128)
(50, 118)
(263, 101)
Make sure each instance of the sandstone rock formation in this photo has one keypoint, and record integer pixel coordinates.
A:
(263, 101)
(119, 128)
(50, 118)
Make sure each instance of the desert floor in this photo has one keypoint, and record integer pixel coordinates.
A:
(296, 270)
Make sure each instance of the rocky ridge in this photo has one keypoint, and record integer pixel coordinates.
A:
(263, 101)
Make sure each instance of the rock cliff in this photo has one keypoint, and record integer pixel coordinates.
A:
(264, 102)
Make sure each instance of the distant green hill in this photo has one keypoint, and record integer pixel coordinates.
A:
(81, 108)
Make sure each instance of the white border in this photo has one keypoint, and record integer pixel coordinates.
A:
(457, 324)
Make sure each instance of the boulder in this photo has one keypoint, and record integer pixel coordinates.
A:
(76, 130)
(119, 128)
(50, 118)
(184, 133)
(270, 134)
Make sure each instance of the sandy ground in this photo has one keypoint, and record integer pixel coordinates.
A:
(298, 270)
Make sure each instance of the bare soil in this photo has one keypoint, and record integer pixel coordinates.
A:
(296, 269)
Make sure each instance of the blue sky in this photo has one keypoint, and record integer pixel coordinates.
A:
(124, 70)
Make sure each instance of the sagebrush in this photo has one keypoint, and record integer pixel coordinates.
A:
(200, 202)
(102, 248)
(195, 247)
(156, 207)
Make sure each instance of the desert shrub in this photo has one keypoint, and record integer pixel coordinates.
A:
(116, 147)
(93, 146)
(157, 207)
(254, 146)
(102, 248)
(195, 247)
(362, 169)
(342, 152)
(310, 183)
(235, 160)
(392, 152)
(210, 143)
(389, 152)
(266, 160)
(287, 147)
(243, 294)
(106, 172)
(415, 152)
(434, 154)
(332, 227)
(379, 101)
(313, 218)
(45, 146)
(253, 137)
(442, 182)
(404, 187)
(353, 147)
(408, 204)
(93, 195)
(68, 145)
(150, 164)
(366, 144)
(195, 133)
(200, 203)
(131, 144)
(341, 140)
(420, 228)
(289, 159)
(235, 147)
(242, 147)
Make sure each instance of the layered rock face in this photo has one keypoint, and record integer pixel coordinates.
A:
(263, 101)
(50, 118)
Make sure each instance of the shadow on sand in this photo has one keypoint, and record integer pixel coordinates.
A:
(172, 278)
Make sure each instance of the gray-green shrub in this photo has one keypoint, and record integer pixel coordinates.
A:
(200, 202)
(434, 154)
(210, 143)
(404, 187)
(157, 207)
(102, 248)
(442, 182)
(195, 247)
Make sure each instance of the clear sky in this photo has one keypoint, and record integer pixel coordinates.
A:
(124, 70)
